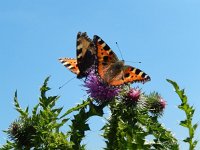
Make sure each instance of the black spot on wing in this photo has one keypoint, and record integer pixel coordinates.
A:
(131, 68)
(79, 60)
(111, 53)
(79, 51)
(67, 65)
(106, 47)
(100, 41)
(148, 78)
(143, 74)
(127, 75)
(137, 71)
(105, 58)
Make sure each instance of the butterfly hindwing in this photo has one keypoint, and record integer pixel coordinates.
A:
(130, 74)
(70, 64)
(112, 70)
(86, 51)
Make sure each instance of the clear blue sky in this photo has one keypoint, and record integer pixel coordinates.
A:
(163, 34)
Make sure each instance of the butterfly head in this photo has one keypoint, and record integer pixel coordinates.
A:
(118, 66)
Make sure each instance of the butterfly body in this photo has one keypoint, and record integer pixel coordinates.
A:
(112, 70)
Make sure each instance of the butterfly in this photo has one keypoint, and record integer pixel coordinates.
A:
(112, 70)
(85, 52)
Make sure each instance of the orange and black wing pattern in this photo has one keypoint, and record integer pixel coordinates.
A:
(112, 70)
(130, 74)
(70, 64)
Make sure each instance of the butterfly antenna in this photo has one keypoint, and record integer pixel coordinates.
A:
(119, 50)
(134, 62)
(122, 56)
(66, 83)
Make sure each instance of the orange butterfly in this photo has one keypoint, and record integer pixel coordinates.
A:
(112, 70)
(85, 51)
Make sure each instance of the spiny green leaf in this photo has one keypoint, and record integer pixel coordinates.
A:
(57, 110)
(44, 88)
(96, 110)
(187, 140)
(195, 143)
(26, 110)
(35, 109)
(173, 83)
(184, 123)
(64, 121)
(9, 145)
(18, 108)
(76, 108)
(195, 126)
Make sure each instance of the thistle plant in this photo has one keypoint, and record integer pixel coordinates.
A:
(40, 129)
(134, 117)
(189, 112)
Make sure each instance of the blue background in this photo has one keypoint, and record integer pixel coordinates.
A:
(163, 34)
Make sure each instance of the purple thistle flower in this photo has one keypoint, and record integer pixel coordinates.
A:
(133, 98)
(133, 94)
(162, 103)
(98, 90)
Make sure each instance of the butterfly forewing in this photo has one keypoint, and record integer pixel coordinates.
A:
(105, 58)
(104, 52)
(86, 52)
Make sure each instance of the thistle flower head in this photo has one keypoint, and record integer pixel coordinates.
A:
(162, 103)
(21, 131)
(98, 90)
(134, 98)
(14, 129)
(133, 94)
(156, 104)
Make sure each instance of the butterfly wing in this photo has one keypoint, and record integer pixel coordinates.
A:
(106, 60)
(70, 64)
(112, 70)
(129, 74)
(86, 52)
